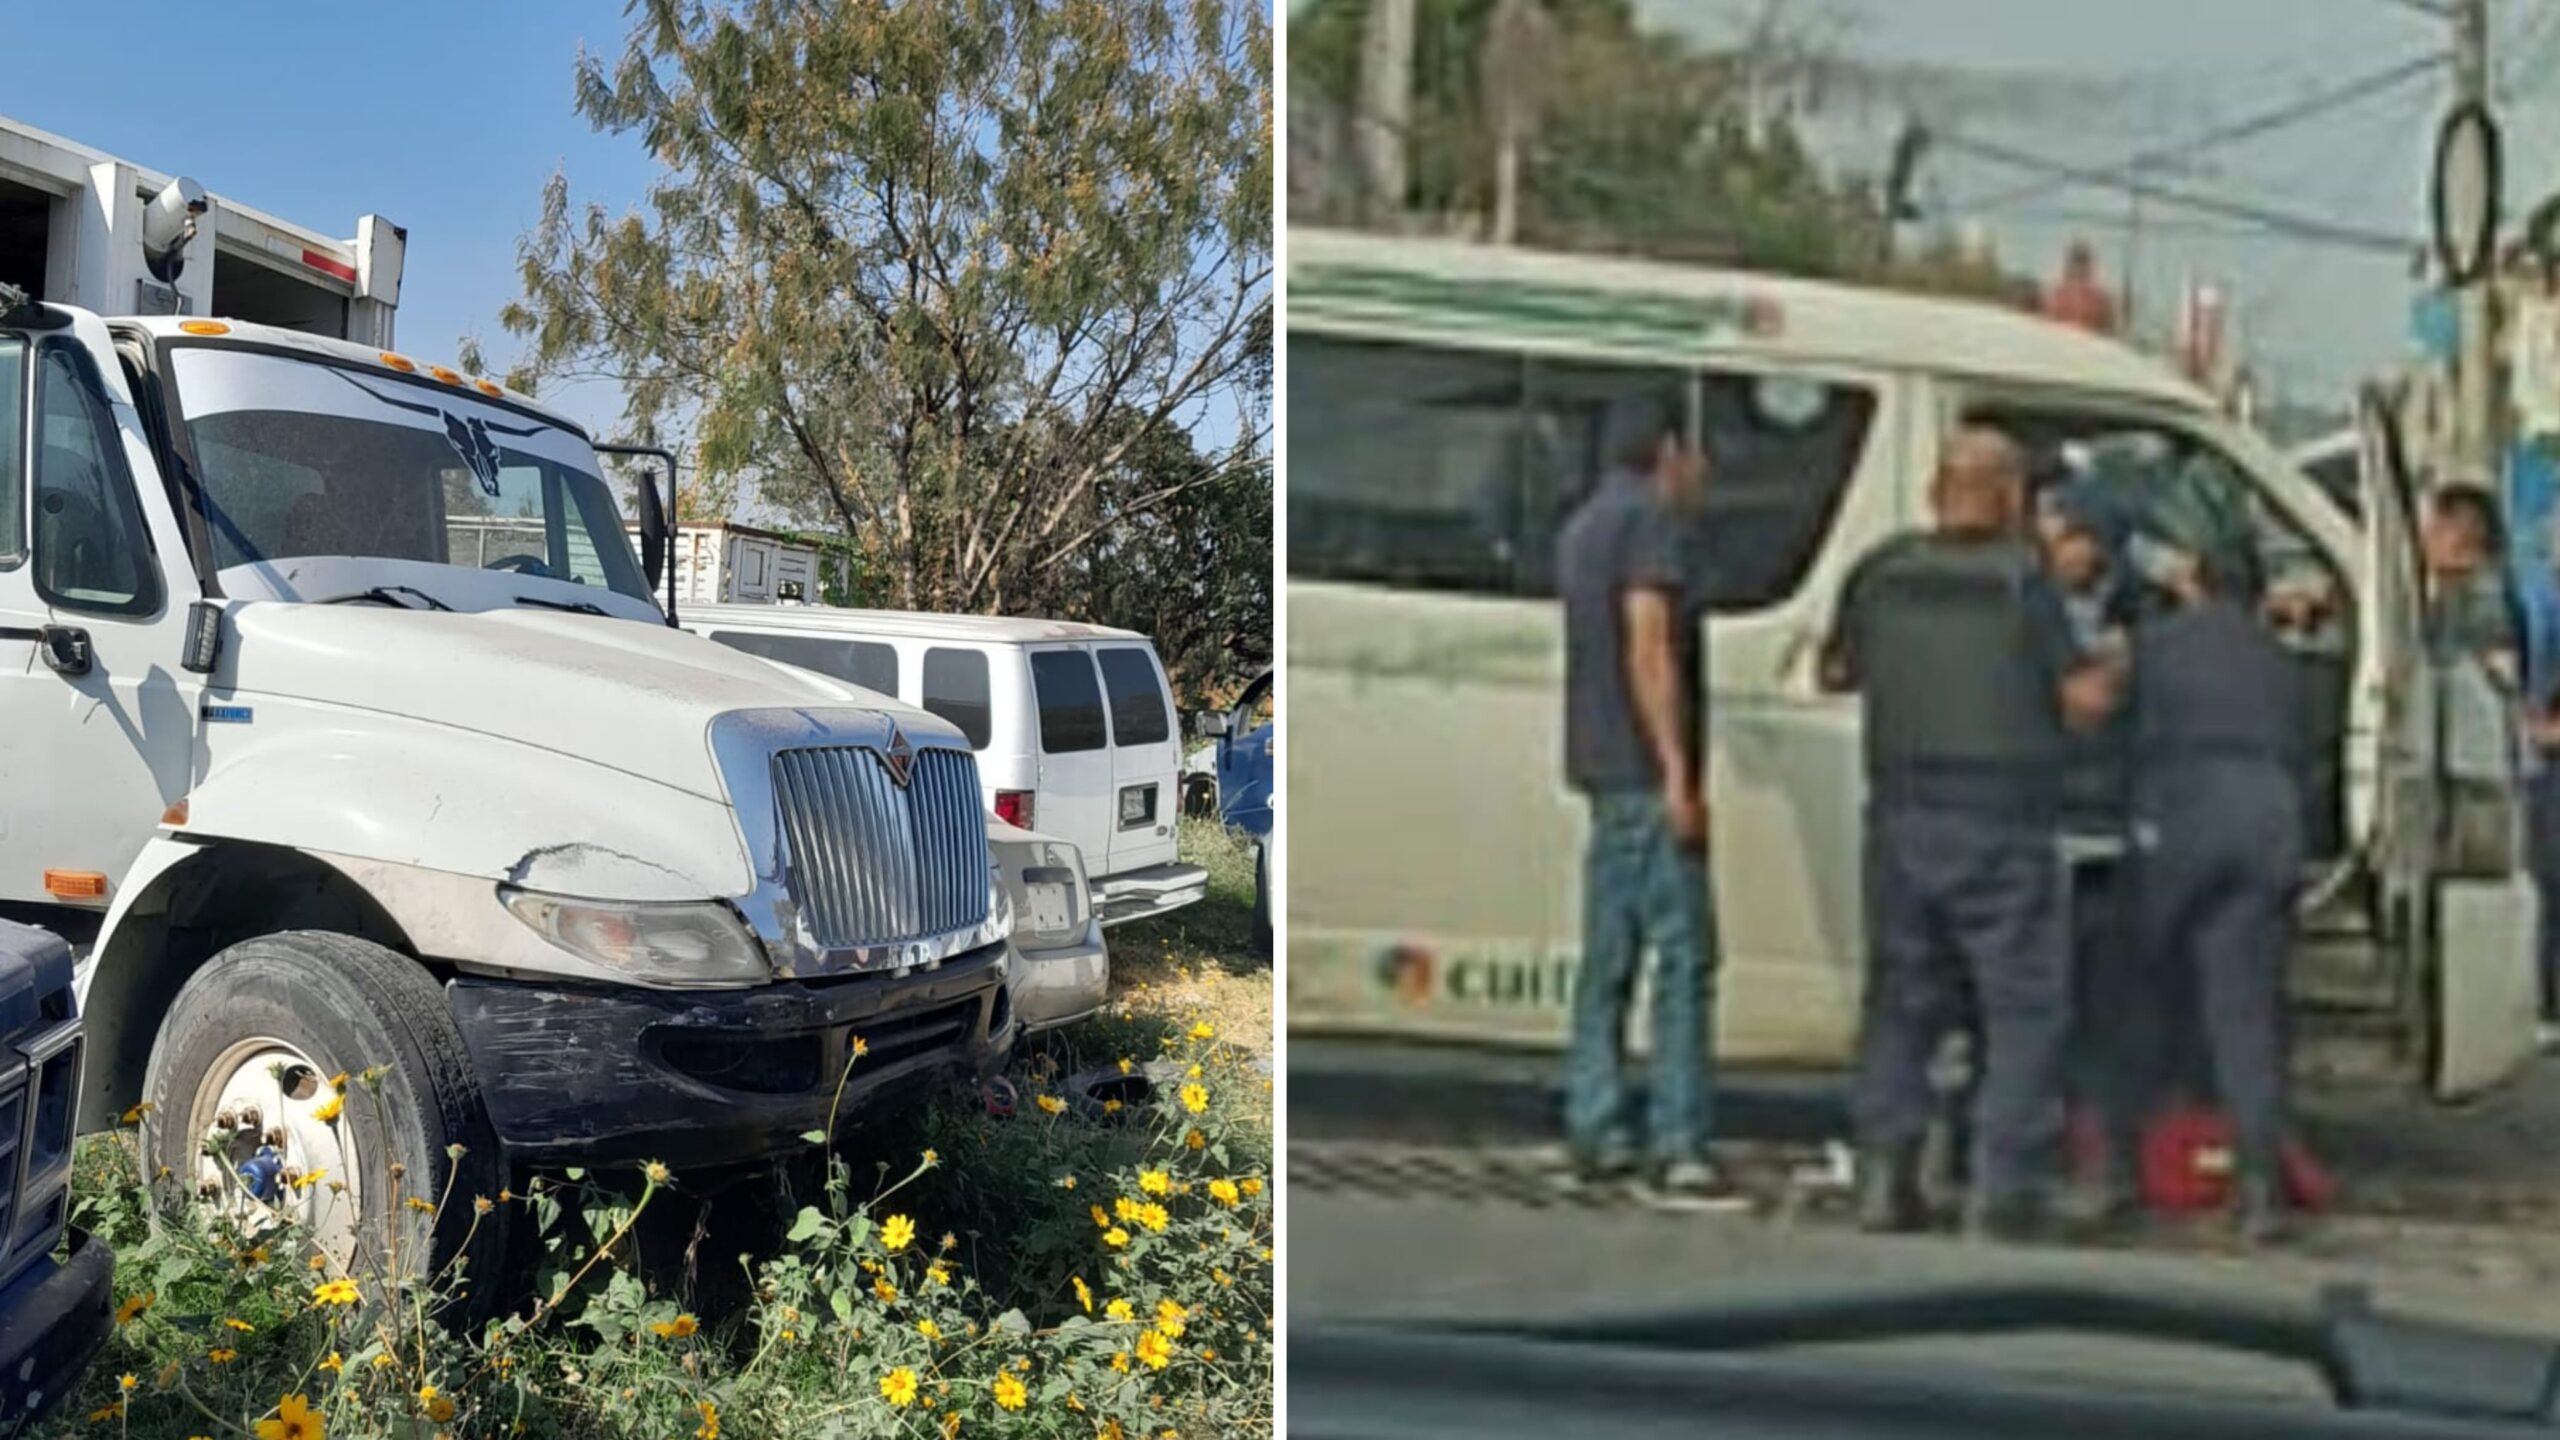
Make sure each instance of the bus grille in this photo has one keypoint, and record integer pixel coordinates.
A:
(877, 863)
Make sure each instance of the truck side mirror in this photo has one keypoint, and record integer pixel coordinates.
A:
(653, 530)
(1214, 725)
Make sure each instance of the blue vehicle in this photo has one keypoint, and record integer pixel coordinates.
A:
(1242, 764)
(53, 1312)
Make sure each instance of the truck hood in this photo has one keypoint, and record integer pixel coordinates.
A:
(625, 694)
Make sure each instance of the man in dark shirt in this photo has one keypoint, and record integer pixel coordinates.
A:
(1963, 652)
(1634, 723)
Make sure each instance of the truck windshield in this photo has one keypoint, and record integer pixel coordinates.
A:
(302, 457)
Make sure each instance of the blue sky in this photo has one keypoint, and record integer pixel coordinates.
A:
(448, 119)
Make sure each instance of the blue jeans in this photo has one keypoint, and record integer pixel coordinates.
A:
(1641, 891)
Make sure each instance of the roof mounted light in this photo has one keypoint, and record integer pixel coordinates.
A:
(204, 327)
(401, 363)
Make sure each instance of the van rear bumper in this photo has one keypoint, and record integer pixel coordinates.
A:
(590, 1074)
(1137, 894)
(52, 1320)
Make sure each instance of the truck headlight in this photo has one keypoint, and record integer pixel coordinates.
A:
(691, 942)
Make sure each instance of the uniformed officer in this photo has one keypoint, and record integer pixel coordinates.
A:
(1963, 652)
(2218, 829)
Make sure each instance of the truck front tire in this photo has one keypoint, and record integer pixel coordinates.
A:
(274, 1020)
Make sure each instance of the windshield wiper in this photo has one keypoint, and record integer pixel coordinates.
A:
(2370, 1360)
(582, 607)
(388, 595)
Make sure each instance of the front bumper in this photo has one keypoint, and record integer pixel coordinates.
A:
(1062, 984)
(1156, 890)
(52, 1320)
(587, 1074)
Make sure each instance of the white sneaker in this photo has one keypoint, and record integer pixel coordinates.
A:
(1695, 1185)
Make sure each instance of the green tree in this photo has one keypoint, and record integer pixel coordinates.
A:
(927, 273)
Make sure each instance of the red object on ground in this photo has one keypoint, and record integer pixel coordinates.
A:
(2186, 1162)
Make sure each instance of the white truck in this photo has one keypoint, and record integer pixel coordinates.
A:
(312, 797)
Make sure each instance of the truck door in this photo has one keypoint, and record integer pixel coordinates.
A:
(1074, 799)
(1146, 757)
(101, 721)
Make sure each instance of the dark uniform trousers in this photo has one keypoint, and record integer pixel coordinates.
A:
(2220, 847)
(1966, 919)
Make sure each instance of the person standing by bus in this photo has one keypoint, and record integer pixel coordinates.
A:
(1635, 749)
(1962, 650)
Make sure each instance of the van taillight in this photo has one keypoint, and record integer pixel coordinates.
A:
(1013, 807)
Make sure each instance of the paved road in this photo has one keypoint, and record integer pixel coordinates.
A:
(1418, 1188)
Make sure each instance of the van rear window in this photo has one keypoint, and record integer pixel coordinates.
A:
(866, 663)
(955, 688)
(1070, 702)
(1137, 701)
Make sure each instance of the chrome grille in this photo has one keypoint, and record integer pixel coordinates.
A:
(874, 863)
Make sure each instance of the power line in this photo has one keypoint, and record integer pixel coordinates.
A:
(2303, 227)
(2318, 103)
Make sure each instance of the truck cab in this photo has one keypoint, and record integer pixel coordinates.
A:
(346, 740)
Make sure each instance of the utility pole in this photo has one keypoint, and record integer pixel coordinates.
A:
(2475, 364)
(1386, 109)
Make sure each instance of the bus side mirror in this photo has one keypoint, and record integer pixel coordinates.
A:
(653, 530)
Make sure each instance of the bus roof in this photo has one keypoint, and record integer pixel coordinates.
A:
(1386, 285)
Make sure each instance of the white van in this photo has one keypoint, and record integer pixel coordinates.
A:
(1449, 400)
(1073, 724)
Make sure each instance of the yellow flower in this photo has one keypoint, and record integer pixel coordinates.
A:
(1155, 1350)
(1191, 1074)
(384, 1361)
(420, 1202)
(887, 1292)
(1225, 1192)
(133, 1307)
(1125, 1207)
(220, 1355)
(254, 1255)
(1196, 1140)
(330, 1109)
(482, 1204)
(680, 1328)
(1115, 1237)
(1121, 1310)
(334, 1363)
(1110, 1107)
(1011, 1394)
(861, 1047)
(1195, 1097)
(1101, 1216)
(439, 1408)
(1066, 1182)
(709, 1429)
(243, 1326)
(937, 1274)
(310, 1178)
(1169, 1318)
(1155, 1182)
(950, 1241)
(134, 1115)
(294, 1421)
(126, 1382)
(655, 1172)
(931, 1159)
(1084, 1294)
(1251, 1186)
(1153, 1216)
(898, 1387)
(951, 1426)
(105, 1413)
(1051, 1105)
(928, 1330)
(338, 1081)
(1125, 1065)
(336, 1292)
(1203, 1031)
(896, 1232)
(1120, 1361)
